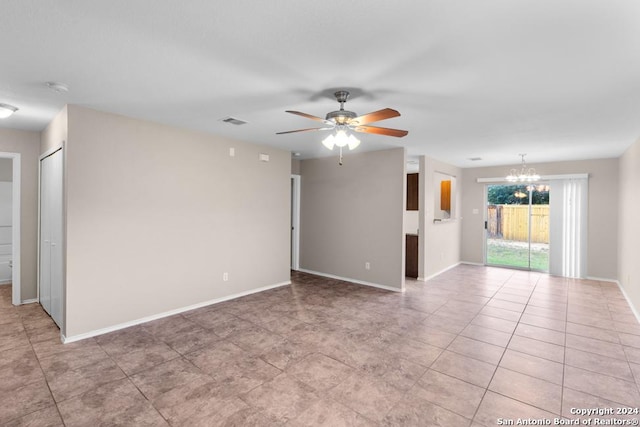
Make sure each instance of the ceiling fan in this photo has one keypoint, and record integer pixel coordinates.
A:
(342, 121)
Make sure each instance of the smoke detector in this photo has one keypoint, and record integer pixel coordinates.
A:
(58, 87)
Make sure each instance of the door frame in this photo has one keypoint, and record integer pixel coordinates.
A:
(295, 221)
(16, 297)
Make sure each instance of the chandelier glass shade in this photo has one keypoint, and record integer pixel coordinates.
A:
(525, 174)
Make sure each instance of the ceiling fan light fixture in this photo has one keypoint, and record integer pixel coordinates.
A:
(341, 138)
(348, 122)
(7, 110)
(353, 142)
(329, 142)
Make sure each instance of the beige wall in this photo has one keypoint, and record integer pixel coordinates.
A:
(28, 145)
(353, 214)
(629, 227)
(411, 222)
(603, 205)
(438, 242)
(156, 215)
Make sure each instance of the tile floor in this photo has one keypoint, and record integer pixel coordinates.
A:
(467, 348)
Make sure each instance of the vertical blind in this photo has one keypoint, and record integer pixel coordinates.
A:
(568, 227)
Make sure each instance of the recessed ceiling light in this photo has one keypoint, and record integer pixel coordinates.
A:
(58, 87)
(6, 110)
(296, 154)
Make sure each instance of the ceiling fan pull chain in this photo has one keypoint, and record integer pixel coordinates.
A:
(340, 162)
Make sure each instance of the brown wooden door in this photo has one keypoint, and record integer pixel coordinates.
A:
(412, 192)
(411, 256)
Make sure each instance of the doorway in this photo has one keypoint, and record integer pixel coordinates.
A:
(14, 262)
(6, 220)
(517, 226)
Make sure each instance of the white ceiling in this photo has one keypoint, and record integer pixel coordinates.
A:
(557, 79)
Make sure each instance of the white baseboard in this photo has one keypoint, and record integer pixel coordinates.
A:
(602, 279)
(479, 264)
(146, 319)
(347, 279)
(424, 279)
(29, 301)
(5, 282)
(624, 293)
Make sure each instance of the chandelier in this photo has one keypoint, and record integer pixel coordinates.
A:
(524, 174)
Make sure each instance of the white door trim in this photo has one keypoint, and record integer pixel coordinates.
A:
(295, 223)
(16, 297)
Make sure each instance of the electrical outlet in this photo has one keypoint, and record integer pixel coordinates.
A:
(367, 266)
(225, 277)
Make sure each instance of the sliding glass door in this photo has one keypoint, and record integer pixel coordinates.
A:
(517, 226)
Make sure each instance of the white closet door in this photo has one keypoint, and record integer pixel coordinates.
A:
(51, 235)
(56, 237)
(45, 235)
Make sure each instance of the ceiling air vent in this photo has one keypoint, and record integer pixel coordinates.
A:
(234, 121)
(475, 159)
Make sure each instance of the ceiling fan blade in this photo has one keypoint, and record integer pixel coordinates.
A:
(381, 131)
(309, 116)
(375, 116)
(301, 130)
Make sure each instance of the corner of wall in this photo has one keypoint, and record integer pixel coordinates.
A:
(56, 132)
(628, 268)
(440, 241)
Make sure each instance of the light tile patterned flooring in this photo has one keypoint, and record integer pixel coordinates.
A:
(471, 346)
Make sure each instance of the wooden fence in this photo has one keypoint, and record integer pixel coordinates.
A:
(510, 222)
